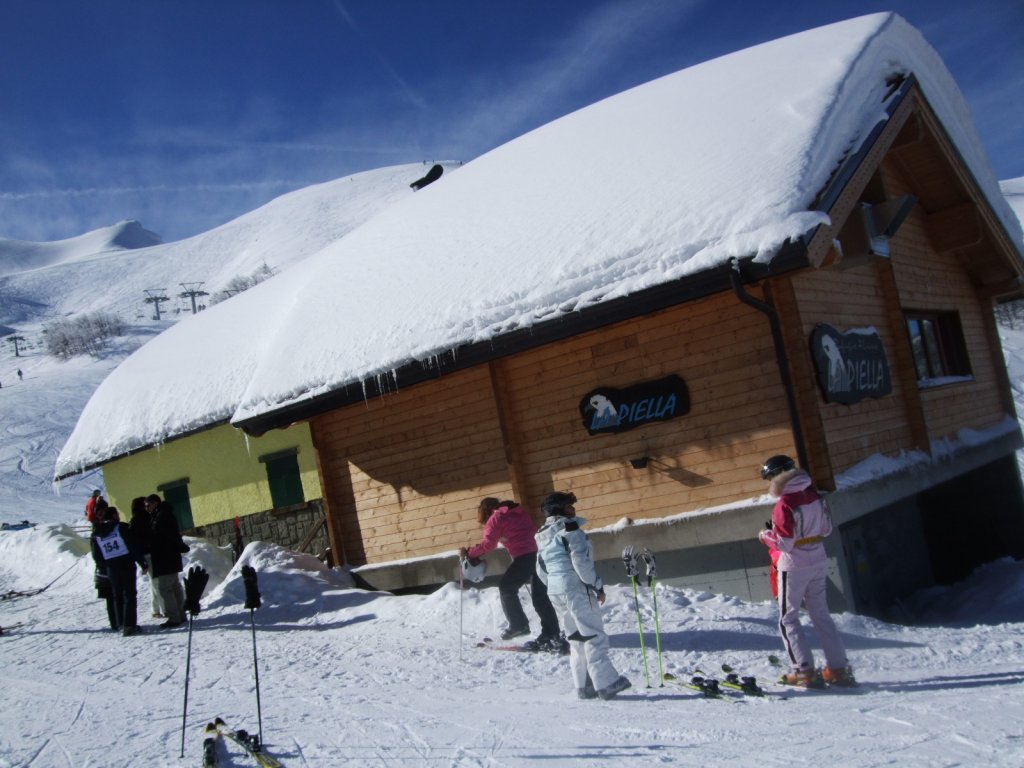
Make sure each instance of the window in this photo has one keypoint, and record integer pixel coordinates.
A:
(937, 343)
(283, 477)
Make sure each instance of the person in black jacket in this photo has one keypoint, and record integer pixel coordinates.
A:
(142, 530)
(166, 549)
(115, 552)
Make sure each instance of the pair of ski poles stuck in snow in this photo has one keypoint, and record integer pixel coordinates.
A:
(195, 584)
(632, 558)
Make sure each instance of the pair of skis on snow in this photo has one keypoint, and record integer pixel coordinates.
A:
(250, 742)
(708, 686)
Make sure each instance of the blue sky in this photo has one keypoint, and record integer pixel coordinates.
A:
(184, 114)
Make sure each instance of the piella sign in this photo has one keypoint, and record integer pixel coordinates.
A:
(851, 365)
(607, 409)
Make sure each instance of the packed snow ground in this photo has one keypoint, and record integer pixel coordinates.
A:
(349, 677)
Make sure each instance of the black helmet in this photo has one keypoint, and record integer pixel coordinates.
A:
(776, 465)
(555, 503)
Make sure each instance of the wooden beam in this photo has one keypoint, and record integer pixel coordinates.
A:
(509, 439)
(335, 527)
(902, 367)
(820, 250)
(781, 294)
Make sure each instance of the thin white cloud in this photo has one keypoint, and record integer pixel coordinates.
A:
(87, 192)
(599, 41)
(403, 86)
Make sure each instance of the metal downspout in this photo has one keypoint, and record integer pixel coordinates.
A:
(780, 356)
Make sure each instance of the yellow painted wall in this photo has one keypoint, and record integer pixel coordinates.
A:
(226, 478)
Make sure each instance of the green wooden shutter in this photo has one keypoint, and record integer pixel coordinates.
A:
(284, 479)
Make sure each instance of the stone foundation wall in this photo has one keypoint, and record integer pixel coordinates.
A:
(287, 527)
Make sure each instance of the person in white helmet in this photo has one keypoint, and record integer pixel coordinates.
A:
(565, 563)
(800, 523)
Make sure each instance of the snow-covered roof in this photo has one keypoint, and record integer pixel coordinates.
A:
(666, 180)
(1013, 189)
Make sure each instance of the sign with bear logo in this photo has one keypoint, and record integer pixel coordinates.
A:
(852, 365)
(608, 409)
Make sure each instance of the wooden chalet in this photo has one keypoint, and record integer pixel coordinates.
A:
(904, 280)
(867, 349)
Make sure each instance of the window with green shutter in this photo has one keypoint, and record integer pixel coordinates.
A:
(283, 477)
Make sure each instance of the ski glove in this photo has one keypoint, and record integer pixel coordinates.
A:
(630, 560)
(252, 593)
(195, 582)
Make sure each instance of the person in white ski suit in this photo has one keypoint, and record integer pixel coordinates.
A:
(800, 523)
(565, 563)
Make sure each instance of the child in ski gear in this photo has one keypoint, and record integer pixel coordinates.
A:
(508, 524)
(800, 523)
(115, 553)
(565, 563)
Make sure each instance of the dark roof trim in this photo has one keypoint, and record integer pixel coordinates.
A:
(793, 255)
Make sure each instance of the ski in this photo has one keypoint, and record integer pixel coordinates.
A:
(745, 684)
(492, 645)
(250, 742)
(211, 735)
(704, 685)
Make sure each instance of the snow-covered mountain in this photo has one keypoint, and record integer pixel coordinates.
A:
(112, 268)
(23, 255)
(109, 270)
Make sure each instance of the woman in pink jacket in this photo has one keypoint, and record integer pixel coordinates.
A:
(508, 524)
(800, 523)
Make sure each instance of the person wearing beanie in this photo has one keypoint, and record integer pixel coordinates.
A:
(565, 563)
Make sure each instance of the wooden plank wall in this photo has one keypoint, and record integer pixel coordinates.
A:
(720, 347)
(875, 295)
(932, 280)
(854, 432)
(403, 474)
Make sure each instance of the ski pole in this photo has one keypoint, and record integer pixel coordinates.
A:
(462, 599)
(252, 602)
(652, 574)
(184, 706)
(632, 571)
(195, 583)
